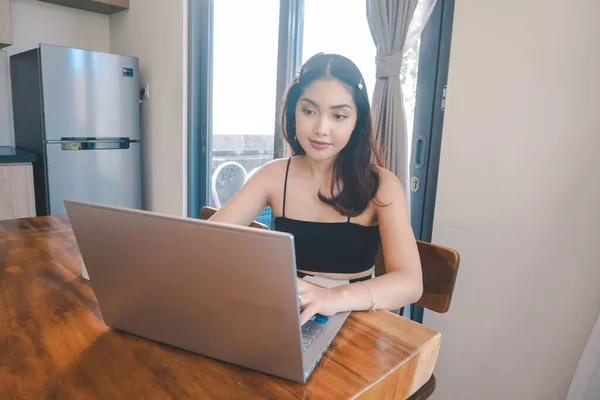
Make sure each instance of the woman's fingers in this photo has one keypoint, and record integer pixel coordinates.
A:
(307, 313)
(308, 296)
(304, 286)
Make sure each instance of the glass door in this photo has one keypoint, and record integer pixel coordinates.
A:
(244, 93)
(242, 55)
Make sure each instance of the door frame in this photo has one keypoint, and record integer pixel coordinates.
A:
(434, 58)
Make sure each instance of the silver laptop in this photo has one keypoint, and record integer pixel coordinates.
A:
(224, 291)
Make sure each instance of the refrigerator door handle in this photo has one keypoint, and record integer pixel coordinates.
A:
(75, 144)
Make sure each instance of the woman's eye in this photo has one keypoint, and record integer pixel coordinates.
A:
(340, 117)
(308, 112)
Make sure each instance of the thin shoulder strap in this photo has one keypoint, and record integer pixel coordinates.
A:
(348, 219)
(287, 170)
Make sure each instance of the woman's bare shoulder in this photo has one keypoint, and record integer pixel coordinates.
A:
(271, 171)
(275, 166)
(390, 187)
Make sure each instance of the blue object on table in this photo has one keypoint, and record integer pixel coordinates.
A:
(321, 319)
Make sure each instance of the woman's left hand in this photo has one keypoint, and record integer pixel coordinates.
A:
(317, 300)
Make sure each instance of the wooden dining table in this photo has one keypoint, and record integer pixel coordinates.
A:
(55, 345)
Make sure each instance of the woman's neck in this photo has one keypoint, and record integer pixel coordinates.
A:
(320, 173)
(319, 169)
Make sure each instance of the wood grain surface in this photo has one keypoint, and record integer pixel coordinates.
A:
(54, 344)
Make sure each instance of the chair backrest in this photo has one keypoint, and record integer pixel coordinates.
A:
(226, 180)
(206, 212)
(440, 267)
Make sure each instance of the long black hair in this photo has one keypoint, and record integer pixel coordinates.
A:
(355, 176)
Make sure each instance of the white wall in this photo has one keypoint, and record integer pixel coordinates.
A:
(156, 32)
(518, 197)
(34, 22)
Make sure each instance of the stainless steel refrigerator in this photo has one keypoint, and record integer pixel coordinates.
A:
(79, 111)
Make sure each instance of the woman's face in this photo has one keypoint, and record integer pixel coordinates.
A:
(325, 118)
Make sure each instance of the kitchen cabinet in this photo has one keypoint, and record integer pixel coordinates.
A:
(17, 197)
(99, 6)
(5, 24)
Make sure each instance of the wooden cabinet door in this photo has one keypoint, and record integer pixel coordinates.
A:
(5, 24)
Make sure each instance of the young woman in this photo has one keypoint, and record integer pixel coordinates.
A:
(334, 196)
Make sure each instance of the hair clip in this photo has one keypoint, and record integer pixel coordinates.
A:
(360, 85)
(298, 72)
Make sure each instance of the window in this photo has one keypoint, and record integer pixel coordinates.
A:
(243, 100)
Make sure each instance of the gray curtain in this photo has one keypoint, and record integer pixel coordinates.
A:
(389, 21)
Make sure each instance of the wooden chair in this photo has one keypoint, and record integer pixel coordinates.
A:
(440, 267)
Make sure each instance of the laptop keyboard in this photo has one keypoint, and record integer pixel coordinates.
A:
(311, 329)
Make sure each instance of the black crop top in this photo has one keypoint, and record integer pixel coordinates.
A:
(330, 247)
